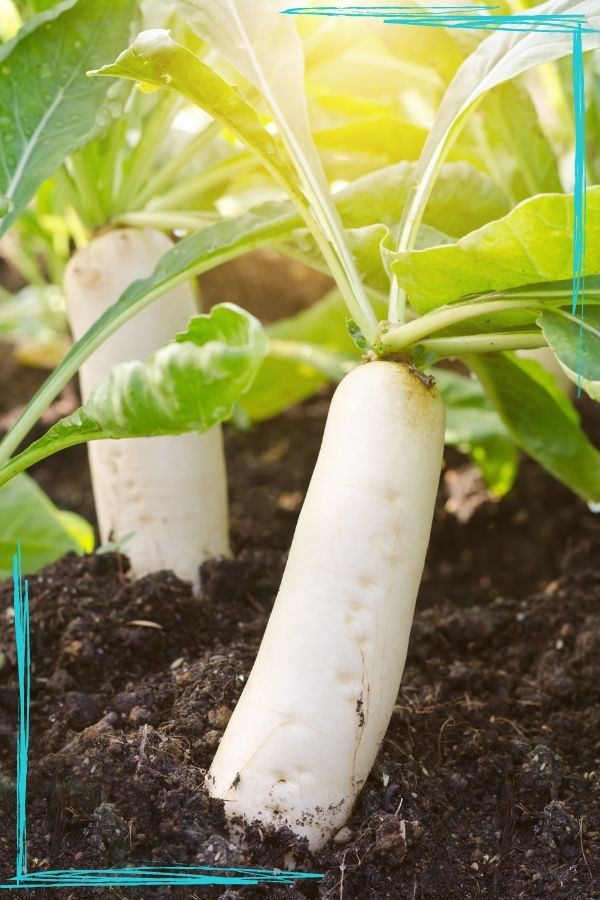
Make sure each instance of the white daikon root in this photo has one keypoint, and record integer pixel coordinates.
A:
(170, 492)
(305, 732)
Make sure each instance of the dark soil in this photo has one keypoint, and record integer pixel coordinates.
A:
(488, 781)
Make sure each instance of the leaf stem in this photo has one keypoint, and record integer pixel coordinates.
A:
(322, 361)
(485, 343)
(148, 148)
(170, 220)
(209, 178)
(414, 332)
(68, 189)
(163, 178)
(85, 182)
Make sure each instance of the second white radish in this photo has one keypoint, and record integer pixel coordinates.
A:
(169, 493)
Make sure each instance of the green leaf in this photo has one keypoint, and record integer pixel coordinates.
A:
(155, 58)
(520, 153)
(268, 224)
(45, 533)
(463, 198)
(28, 8)
(475, 428)
(371, 198)
(190, 257)
(264, 47)
(577, 347)
(541, 419)
(188, 385)
(532, 244)
(555, 291)
(500, 57)
(385, 138)
(48, 107)
(368, 246)
(593, 115)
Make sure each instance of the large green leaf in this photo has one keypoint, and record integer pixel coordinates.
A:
(385, 139)
(593, 115)
(521, 157)
(500, 57)
(371, 199)
(190, 384)
(48, 107)
(369, 246)
(463, 198)
(155, 58)
(541, 420)
(264, 47)
(45, 533)
(532, 244)
(577, 346)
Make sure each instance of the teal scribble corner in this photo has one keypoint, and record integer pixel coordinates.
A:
(450, 17)
(156, 876)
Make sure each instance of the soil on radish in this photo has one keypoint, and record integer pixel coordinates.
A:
(488, 781)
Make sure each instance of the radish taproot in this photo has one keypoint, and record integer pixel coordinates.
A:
(168, 493)
(305, 732)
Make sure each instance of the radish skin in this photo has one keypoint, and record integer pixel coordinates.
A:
(169, 492)
(305, 732)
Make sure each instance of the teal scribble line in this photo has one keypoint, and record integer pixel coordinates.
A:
(21, 607)
(154, 876)
(163, 876)
(453, 17)
(478, 18)
(579, 196)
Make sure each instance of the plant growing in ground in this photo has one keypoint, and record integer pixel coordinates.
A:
(161, 490)
(307, 727)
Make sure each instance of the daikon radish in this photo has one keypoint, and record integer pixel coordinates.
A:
(170, 493)
(305, 732)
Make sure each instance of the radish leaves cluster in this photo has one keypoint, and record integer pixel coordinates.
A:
(430, 232)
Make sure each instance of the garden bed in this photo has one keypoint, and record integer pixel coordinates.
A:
(488, 781)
